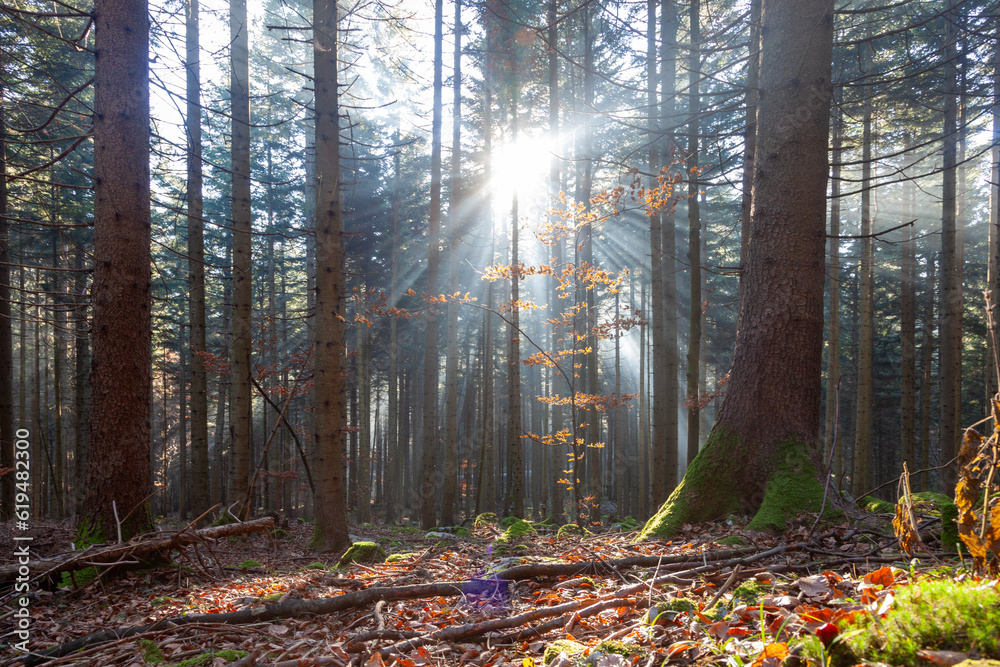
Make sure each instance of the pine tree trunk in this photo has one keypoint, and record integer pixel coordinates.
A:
(6, 341)
(908, 337)
(241, 410)
(430, 388)
(118, 478)
(768, 425)
(330, 530)
(861, 478)
(394, 465)
(196, 268)
(993, 265)
(694, 237)
(950, 428)
(833, 288)
(455, 224)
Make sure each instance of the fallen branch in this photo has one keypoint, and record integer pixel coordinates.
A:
(101, 556)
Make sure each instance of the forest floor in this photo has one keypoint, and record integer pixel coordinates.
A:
(717, 594)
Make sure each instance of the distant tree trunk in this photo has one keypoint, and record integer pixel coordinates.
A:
(556, 455)
(833, 287)
(330, 530)
(182, 453)
(365, 431)
(241, 411)
(196, 268)
(81, 399)
(861, 478)
(926, 364)
(908, 337)
(515, 455)
(665, 358)
(643, 426)
(6, 340)
(393, 478)
(118, 479)
(694, 237)
(993, 269)
(455, 226)
(950, 365)
(58, 354)
(751, 100)
(427, 481)
(218, 494)
(768, 426)
(486, 488)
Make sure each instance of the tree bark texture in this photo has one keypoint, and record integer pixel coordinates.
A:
(118, 477)
(770, 415)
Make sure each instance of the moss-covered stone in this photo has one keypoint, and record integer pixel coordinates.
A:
(249, 564)
(508, 521)
(362, 552)
(485, 519)
(665, 611)
(395, 558)
(749, 592)
(150, 652)
(571, 529)
(516, 530)
(732, 541)
(794, 488)
(949, 527)
(876, 505)
(315, 565)
(567, 646)
(618, 648)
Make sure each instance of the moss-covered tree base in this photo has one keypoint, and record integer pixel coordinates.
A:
(719, 482)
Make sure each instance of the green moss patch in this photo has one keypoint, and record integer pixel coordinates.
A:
(485, 519)
(509, 521)
(571, 529)
(749, 592)
(556, 648)
(395, 558)
(876, 505)
(249, 564)
(932, 615)
(229, 655)
(516, 530)
(362, 552)
(732, 541)
(676, 511)
(150, 652)
(794, 488)
(315, 565)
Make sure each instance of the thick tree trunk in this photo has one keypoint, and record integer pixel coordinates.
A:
(767, 432)
(330, 531)
(118, 480)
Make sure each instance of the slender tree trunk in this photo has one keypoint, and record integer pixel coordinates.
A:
(455, 223)
(6, 341)
(926, 364)
(861, 479)
(330, 530)
(833, 288)
(241, 411)
(515, 450)
(81, 417)
(664, 347)
(556, 454)
(486, 488)
(694, 237)
(118, 478)
(908, 337)
(196, 268)
(950, 287)
(182, 448)
(751, 100)
(58, 354)
(993, 268)
(394, 464)
(427, 478)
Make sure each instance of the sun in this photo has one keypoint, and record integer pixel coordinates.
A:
(522, 168)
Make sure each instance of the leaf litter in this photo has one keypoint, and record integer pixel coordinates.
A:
(470, 601)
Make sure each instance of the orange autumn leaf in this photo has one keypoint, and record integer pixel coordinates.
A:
(772, 655)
